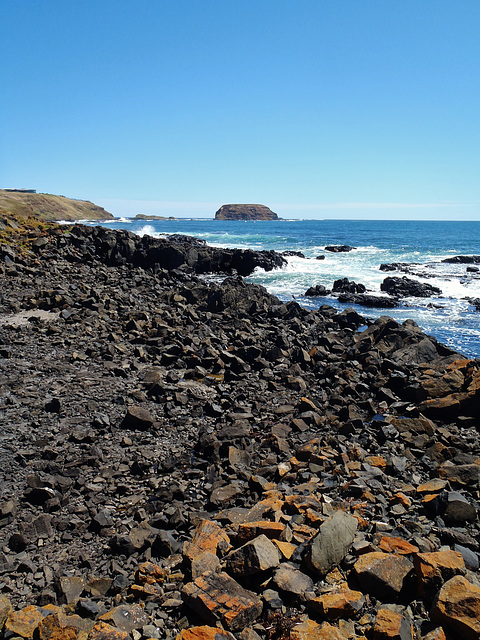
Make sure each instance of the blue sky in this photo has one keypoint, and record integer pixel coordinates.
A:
(316, 108)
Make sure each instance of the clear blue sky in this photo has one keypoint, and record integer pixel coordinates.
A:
(316, 108)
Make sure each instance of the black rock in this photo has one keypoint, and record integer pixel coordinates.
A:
(342, 248)
(405, 287)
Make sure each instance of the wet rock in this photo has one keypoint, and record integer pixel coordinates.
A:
(344, 285)
(405, 287)
(317, 290)
(339, 248)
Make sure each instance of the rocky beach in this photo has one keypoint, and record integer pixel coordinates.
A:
(192, 459)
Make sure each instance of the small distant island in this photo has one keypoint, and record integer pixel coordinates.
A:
(147, 216)
(245, 212)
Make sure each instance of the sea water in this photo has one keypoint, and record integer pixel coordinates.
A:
(451, 318)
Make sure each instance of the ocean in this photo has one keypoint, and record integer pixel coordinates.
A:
(451, 318)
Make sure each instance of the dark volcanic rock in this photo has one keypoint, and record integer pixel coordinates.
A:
(345, 285)
(369, 300)
(463, 260)
(405, 287)
(264, 455)
(341, 248)
(245, 212)
(317, 290)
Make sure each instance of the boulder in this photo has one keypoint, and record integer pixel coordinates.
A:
(332, 542)
(406, 287)
(457, 608)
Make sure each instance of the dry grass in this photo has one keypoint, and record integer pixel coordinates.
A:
(45, 206)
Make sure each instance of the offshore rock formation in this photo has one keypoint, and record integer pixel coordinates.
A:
(245, 212)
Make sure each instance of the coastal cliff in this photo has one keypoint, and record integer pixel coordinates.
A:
(245, 212)
(48, 207)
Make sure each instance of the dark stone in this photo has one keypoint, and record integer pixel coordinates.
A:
(245, 212)
(406, 287)
(342, 248)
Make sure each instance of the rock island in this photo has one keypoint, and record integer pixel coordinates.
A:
(245, 212)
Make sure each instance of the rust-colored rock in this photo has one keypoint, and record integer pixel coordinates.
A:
(250, 530)
(5, 609)
(341, 602)
(204, 633)
(24, 622)
(311, 630)
(50, 628)
(436, 634)
(218, 597)
(104, 631)
(150, 573)
(392, 626)
(391, 544)
(382, 575)
(209, 536)
(433, 569)
(457, 608)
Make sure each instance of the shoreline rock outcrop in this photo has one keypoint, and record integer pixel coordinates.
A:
(187, 459)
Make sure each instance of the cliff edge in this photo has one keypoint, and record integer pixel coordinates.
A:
(45, 206)
(245, 212)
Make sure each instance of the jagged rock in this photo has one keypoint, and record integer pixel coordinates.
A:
(369, 300)
(317, 290)
(137, 418)
(390, 625)
(345, 285)
(341, 602)
(463, 260)
(382, 575)
(289, 579)
(433, 569)
(260, 554)
(126, 617)
(457, 608)
(405, 287)
(217, 597)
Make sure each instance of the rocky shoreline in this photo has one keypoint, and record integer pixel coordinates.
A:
(194, 459)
